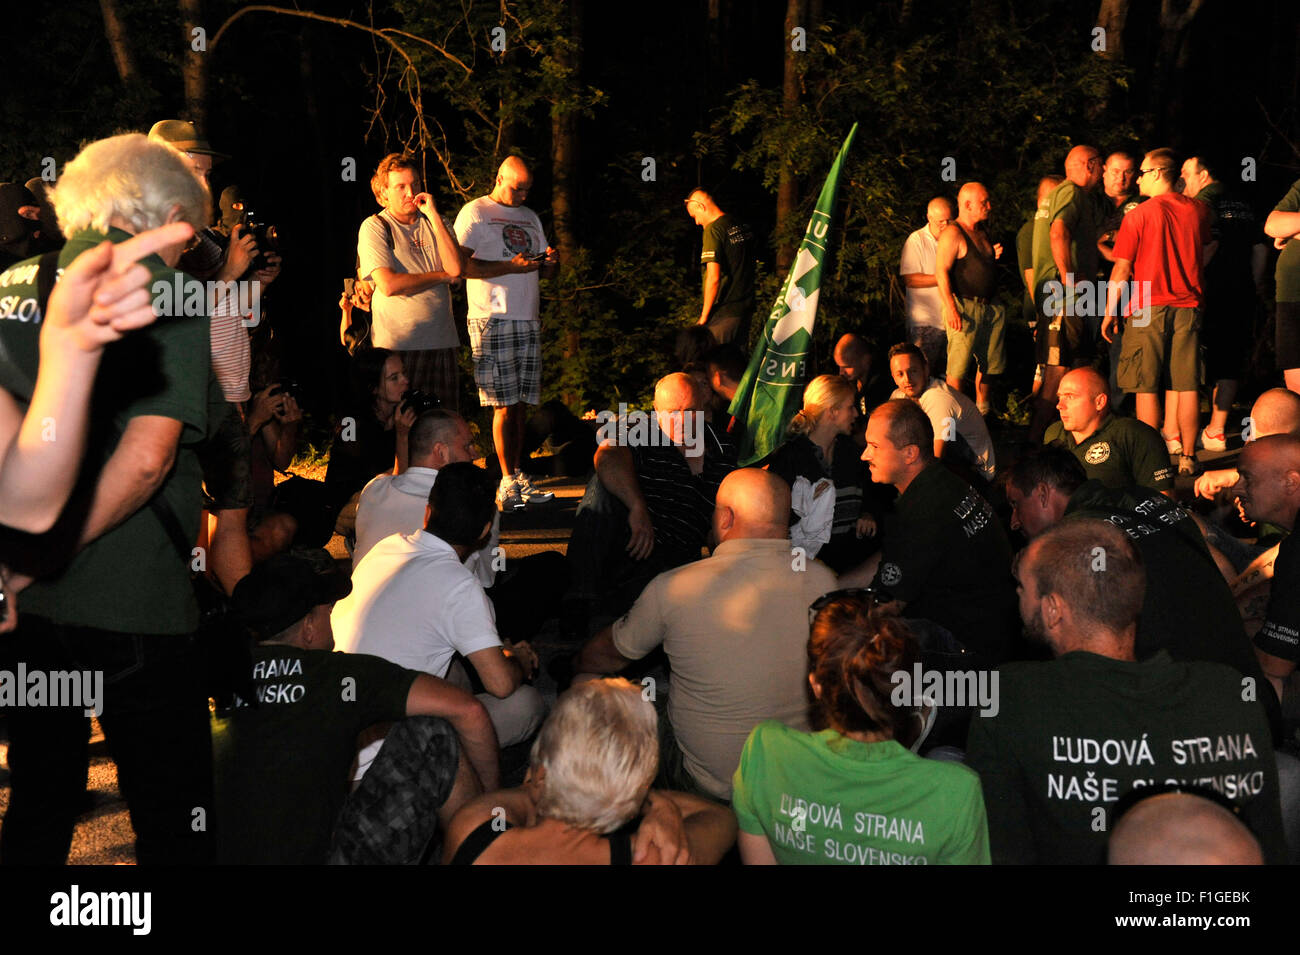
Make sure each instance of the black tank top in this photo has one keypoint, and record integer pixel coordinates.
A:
(975, 274)
(476, 843)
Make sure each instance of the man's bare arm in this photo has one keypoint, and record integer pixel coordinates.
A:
(430, 696)
(712, 279)
(599, 655)
(1282, 225)
(1060, 238)
(919, 280)
(409, 283)
(950, 242)
(501, 675)
(617, 472)
(139, 465)
(472, 268)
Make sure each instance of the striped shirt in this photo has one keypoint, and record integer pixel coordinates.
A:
(681, 503)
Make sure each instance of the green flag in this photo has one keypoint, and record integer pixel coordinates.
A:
(772, 389)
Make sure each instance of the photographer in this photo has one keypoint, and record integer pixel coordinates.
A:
(355, 333)
(273, 421)
(233, 259)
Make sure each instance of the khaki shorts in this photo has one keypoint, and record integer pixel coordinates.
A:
(1161, 351)
(980, 341)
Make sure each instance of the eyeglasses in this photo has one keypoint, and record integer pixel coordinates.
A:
(1152, 169)
(865, 594)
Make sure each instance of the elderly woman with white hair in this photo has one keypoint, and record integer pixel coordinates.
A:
(589, 777)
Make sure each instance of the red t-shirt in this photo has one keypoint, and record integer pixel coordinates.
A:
(1163, 238)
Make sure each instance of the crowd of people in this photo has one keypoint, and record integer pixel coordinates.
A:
(913, 640)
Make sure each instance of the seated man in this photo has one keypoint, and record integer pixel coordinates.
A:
(944, 556)
(414, 602)
(735, 628)
(960, 433)
(1074, 735)
(521, 589)
(856, 359)
(1118, 452)
(1187, 609)
(1179, 828)
(281, 760)
(1269, 490)
(649, 505)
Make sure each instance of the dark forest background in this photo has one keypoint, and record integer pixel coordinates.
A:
(711, 90)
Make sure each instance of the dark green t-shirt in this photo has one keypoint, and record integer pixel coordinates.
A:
(1121, 453)
(825, 799)
(1288, 263)
(945, 554)
(1025, 263)
(730, 243)
(1187, 608)
(132, 579)
(1074, 735)
(281, 768)
(1083, 215)
(1280, 634)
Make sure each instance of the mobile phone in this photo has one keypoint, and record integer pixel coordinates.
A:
(536, 256)
(349, 286)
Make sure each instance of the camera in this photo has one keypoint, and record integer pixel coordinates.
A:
(415, 400)
(264, 234)
(286, 386)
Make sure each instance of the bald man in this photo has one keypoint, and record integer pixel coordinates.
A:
(1276, 411)
(966, 271)
(1066, 262)
(649, 505)
(727, 258)
(505, 252)
(1269, 490)
(925, 326)
(735, 628)
(1025, 243)
(1119, 452)
(1182, 829)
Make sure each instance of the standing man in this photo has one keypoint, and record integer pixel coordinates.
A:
(506, 254)
(1119, 185)
(1160, 245)
(1283, 227)
(925, 326)
(1234, 269)
(1065, 256)
(966, 272)
(113, 590)
(406, 250)
(728, 260)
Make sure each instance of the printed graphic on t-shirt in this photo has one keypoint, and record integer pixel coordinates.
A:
(516, 239)
(1099, 453)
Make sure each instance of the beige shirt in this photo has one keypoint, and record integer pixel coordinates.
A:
(735, 628)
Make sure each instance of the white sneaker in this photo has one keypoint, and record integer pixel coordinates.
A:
(1175, 444)
(508, 496)
(1212, 444)
(530, 494)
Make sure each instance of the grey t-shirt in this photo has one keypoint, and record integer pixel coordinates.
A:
(406, 322)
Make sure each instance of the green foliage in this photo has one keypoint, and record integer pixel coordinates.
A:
(1004, 102)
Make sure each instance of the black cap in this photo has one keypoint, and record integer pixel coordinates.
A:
(280, 591)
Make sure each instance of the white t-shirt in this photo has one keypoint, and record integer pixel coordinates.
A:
(394, 504)
(939, 402)
(498, 233)
(924, 306)
(406, 322)
(415, 604)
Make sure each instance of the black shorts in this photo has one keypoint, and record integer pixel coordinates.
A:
(1060, 339)
(227, 460)
(1227, 334)
(1288, 335)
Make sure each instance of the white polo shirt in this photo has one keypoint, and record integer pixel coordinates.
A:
(394, 504)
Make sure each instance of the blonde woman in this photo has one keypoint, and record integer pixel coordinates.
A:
(588, 777)
(818, 459)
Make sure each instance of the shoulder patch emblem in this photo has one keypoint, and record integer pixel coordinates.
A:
(890, 574)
